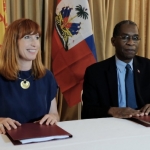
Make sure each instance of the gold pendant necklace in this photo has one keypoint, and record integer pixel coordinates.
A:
(24, 83)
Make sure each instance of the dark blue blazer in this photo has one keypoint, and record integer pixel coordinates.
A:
(100, 89)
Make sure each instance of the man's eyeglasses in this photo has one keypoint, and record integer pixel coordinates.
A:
(126, 38)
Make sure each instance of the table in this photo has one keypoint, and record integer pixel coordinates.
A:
(93, 134)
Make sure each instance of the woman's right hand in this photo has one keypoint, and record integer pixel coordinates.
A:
(8, 124)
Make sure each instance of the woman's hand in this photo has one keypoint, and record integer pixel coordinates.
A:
(52, 117)
(8, 123)
(49, 119)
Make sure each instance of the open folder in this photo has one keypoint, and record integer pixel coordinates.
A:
(34, 132)
(143, 120)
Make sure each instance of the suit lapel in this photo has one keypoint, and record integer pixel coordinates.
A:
(112, 82)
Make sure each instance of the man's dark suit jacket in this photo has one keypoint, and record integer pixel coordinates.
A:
(100, 89)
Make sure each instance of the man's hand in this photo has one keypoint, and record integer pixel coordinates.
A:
(8, 123)
(126, 112)
(145, 109)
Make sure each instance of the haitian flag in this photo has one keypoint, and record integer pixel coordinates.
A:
(3, 23)
(73, 48)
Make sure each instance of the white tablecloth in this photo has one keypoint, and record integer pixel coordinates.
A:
(93, 134)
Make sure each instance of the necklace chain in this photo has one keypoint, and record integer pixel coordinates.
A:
(24, 79)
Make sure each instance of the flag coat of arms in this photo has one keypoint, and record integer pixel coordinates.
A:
(3, 17)
(73, 48)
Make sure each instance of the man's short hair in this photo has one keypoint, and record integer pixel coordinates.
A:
(118, 26)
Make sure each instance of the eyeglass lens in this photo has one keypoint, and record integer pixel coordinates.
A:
(127, 37)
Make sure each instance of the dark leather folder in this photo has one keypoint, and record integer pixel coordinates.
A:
(35, 130)
(143, 120)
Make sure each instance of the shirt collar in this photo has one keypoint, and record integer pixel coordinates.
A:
(121, 65)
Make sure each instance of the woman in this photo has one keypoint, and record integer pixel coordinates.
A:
(27, 88)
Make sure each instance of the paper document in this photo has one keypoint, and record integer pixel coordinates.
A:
(43, 139)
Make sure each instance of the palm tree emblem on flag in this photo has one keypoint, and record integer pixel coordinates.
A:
(73, 48)
(64, 25)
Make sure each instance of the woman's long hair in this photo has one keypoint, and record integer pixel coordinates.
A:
(9, 53)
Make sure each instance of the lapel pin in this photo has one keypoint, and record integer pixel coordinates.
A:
(138, 70)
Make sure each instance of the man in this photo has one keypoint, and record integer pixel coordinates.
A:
(105, 90)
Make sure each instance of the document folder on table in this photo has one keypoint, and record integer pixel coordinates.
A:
(34, 132)
(143, 120)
